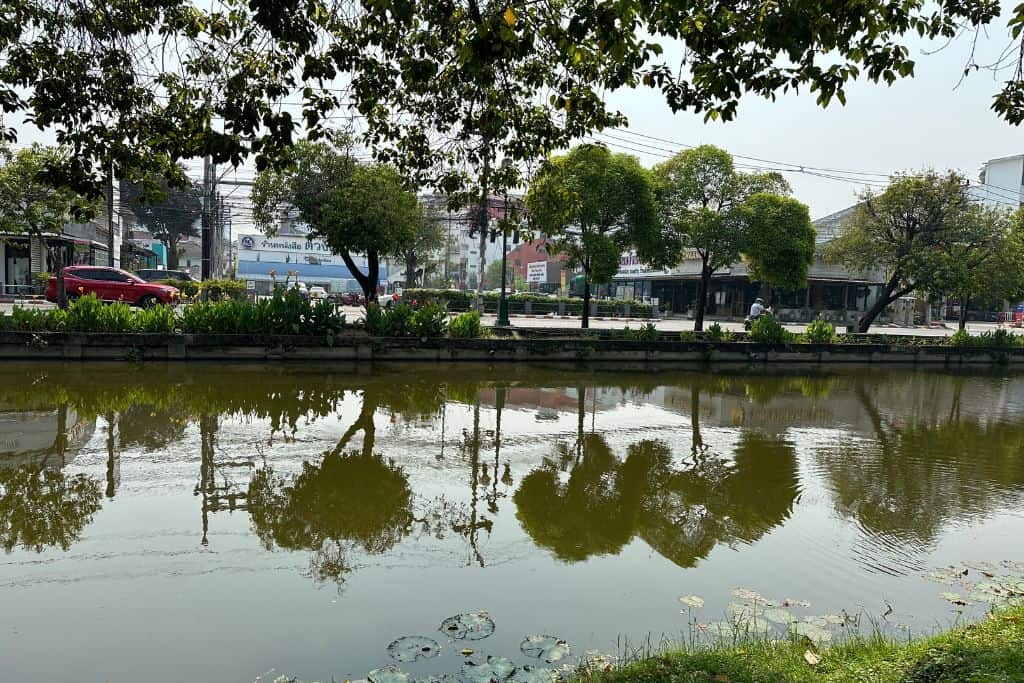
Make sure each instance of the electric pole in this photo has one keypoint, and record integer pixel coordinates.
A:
(208, 218)
(110, 217)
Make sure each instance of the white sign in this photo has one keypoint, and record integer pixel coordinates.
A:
(250, 284)
(537, 271)
(290, 244)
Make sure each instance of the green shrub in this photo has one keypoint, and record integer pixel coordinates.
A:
(186, 288)
(688, 336)
(466, 326)
(155, 320)
(430, 320)
(961, 338)
(648, 332)
(767, 330)
(84, 314)
(997, 339)
(717, 333)
(820, 332)
(221, 290)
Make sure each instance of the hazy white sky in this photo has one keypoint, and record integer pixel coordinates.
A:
(917, 123)
(923, 122)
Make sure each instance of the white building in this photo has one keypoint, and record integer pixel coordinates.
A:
(1001, 183)
(291, 254)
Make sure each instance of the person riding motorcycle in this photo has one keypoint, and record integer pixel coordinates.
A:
(756, 311)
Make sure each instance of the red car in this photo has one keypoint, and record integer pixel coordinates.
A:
(111, 284)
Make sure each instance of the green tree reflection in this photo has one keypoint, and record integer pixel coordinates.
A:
(42, 507)
(918, 474)
(346, 500)
(682, 513)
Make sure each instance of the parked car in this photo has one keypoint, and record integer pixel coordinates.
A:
(317, 292)
(111, 284)
(154, 274)
(351, 299)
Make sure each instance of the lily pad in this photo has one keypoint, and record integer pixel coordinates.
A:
(981, 566)
(529, 674)
(824, 620)
(413, 648)
(719, 629)
(692, 601)
(548, 648)
(468, 626)
(812, 631)
(480, 669)
(947, 575)
(748, 595)
(388, 674)
(777, 615)
(443, 678)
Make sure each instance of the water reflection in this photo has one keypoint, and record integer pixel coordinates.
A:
(40, 506)
(346, 500)
(936, 454)
(905, 454)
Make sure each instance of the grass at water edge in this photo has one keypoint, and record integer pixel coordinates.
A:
(990, 651)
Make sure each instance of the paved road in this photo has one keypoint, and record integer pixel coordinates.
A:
(353, 313)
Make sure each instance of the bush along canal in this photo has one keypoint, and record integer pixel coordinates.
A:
(509, 522)
(289, 327)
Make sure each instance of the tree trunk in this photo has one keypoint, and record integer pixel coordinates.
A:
(964, 302)
(585, 320)
(367, 281)
(57, 255)
(884, 299)
(410, 269)
(172, 253)
(702, 297)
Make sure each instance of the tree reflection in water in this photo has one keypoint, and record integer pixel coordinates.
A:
(346, 500)
(681, 511)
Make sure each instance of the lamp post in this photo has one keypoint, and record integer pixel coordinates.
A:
(503, 320)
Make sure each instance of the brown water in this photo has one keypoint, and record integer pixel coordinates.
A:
(230, 523)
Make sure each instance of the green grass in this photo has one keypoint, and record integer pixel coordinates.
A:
(991, 651)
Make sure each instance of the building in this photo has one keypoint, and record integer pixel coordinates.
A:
(24, 258)
(534, 264)
(833, 292)
(461, 255)
(1001, 183)
(291, 255)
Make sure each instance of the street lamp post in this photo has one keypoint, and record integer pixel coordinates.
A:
(503, 320)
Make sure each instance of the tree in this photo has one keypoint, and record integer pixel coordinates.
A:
(461, 70)
(703, 210)
(907, 232)
(356, 209)
(429, 237)
(592, 204)
(492, 278)
(169, 213)
(779, 246)
(31, 206)
(986, 263)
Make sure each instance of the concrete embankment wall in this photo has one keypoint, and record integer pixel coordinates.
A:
(137, 347)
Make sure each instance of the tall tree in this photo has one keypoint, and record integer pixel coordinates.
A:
(168, 212)
(986, 262)
(907, 232)
(703, 211)
(780, 242)
(357, 209)
(591, 205)
(30, 205)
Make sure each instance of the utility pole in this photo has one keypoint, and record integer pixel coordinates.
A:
(110, 216)
(484, 216)
(207, 230)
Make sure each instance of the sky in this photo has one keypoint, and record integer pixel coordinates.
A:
(928, 121)
(918, 123)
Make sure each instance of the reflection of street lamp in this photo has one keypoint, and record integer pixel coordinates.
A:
(503, 320)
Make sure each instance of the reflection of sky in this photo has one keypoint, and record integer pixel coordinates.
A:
(232, 611)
